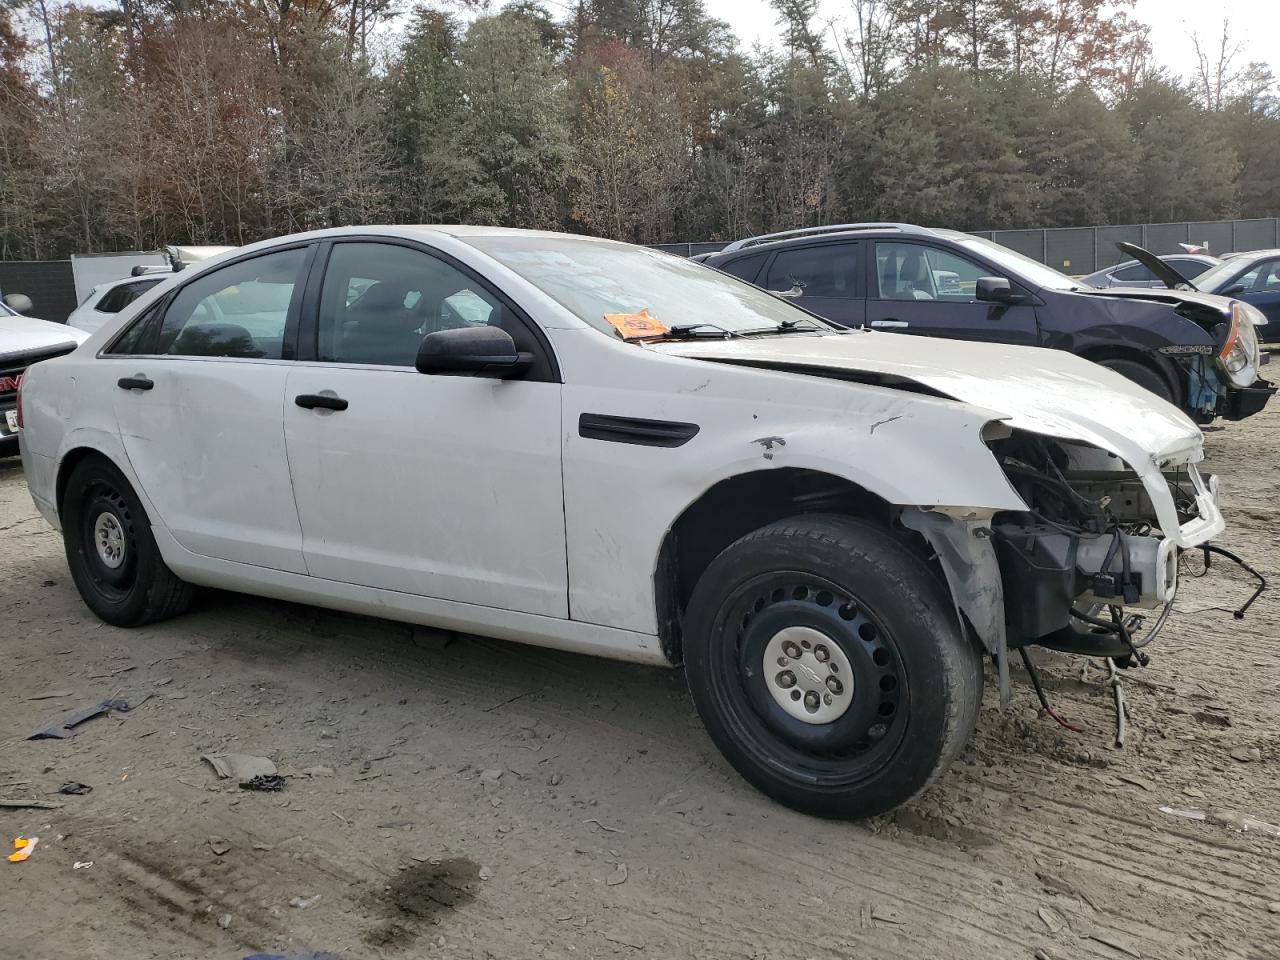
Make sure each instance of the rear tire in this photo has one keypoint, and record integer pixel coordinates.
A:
(113, 556)
(889, 687)
(1144, 376)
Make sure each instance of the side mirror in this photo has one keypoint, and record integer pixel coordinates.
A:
(18, 303)
(1231, 291)
(995, 290)
(476, 350)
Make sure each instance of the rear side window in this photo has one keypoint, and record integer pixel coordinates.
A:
(746, 268)
(1136, 273)
(829, 270)
(239, 310)
(120, 297)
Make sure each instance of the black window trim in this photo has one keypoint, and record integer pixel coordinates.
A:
(309, 332)
(153, 315)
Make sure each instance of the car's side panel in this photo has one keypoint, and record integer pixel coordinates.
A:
(490, 621)
(621, 498)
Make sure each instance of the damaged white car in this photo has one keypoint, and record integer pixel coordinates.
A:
(601, 448)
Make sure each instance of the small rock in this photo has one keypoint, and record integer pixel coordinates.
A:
(555, 780)
(1246, 754)
(1274, 906)
(224, 921)
(618, 876)
(303, 902)
(486, 873)
(1193, 792)
(318, 772)
(440, 942)
(328, 735)
(219, 846)
(490, 776)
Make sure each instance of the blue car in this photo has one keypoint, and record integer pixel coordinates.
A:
(1252, 277)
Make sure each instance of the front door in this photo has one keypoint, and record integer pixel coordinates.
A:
(440, 486)
(929, 290)
(1262, 289)
(198, 399)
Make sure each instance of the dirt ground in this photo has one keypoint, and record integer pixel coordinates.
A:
(614, 828)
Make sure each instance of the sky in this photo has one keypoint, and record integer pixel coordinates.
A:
(1254, 23)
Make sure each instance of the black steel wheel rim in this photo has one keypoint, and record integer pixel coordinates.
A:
(864, 738)
(112, 583)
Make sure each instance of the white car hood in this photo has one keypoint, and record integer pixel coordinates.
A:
(1041, 390)
(19, 335)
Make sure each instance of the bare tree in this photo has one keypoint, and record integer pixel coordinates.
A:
(1215, 71)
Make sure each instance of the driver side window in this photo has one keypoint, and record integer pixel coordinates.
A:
(914, 271)
(380, 299)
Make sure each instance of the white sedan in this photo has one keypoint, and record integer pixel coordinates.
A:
(602, 448)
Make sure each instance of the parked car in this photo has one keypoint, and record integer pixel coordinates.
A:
(23, 341)
(107, 299)
(1194, 350)
(602, 448)
(1132, 273)
(1253, 278)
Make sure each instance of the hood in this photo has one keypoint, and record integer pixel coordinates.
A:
(19, 335)
(1170, 277)
(1031, 388)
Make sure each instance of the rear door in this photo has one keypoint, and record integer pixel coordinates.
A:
(928, 290)
(198, 400)
(823, 278)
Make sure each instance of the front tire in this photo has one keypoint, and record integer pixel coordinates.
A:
(113, 556)
(884, 693)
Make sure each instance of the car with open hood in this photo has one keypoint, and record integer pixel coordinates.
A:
(1196, 351)
(1251, 277)
(24, 340)
(1133, 273)
(605, 449)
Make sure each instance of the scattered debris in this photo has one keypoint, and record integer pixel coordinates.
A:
(1242, 822)
(486, 873)
(82, 865)
(618, 876)
(219, 846)
(1212, 718)
(23, 848)
(242, 766)
(273, 783)
(1114, 943)
(490, 776)
(1136, 781)
(27, 804)
(602, 826)
(627, 941)
(554, 780)
(66, 727)
(224, 921)
(1113, 681)
(302, 903)
(885, 915)
(75, 789)
(1051, 918)
(1244, 754)
(319, 771)
(51, 694)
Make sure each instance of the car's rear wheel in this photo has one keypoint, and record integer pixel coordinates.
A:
(827, 664)
(1144, 376)
(112, 554)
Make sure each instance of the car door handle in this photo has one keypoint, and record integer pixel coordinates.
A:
(135, 383)
(890, 323)
(319, 401)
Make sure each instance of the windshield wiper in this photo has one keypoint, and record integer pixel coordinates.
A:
(692, 330)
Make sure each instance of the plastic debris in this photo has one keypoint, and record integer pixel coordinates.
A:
(66, 727)
(75, 789)
(242, 766)
(23, 848)
(302, 903)
(82, 865)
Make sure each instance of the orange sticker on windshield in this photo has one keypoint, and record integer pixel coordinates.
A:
(636, 326)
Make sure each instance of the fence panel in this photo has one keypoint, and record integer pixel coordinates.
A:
(1254, 235)
(1070, 250)
(1217, 234)
(1029, 243)
(49, 284)
(1164, 238)
(1108, 255)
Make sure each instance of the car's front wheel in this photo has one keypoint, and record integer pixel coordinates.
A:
(112, 554)
(827, 664)
(1144, 376)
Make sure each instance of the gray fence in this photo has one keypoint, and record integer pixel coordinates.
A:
(1081, 250)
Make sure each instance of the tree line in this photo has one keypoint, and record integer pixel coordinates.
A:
(226, 121)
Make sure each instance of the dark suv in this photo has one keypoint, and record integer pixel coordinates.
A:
(1195, 350)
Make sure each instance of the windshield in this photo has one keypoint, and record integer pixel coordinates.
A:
(1033, 271)
(608, 284)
